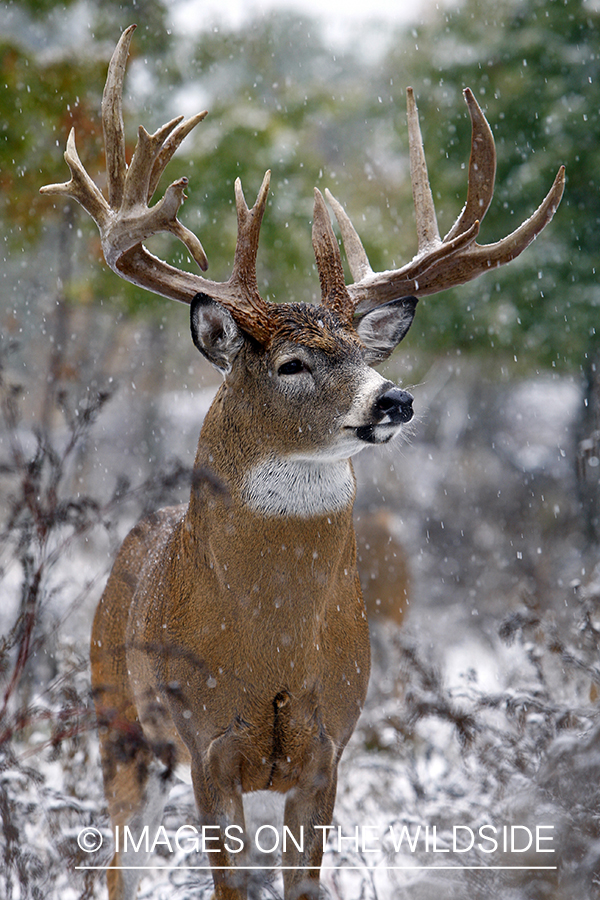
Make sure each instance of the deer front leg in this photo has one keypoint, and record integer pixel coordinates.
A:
(309, 807)
(218, 793)
(136, 792)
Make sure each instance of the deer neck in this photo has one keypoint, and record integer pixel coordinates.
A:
(257, 478)
(246, 499)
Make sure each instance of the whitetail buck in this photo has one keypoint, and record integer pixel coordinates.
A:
(231, 641)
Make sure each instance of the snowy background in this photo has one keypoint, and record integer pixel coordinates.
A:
(478, 534)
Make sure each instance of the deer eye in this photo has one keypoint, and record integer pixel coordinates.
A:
(292, 367)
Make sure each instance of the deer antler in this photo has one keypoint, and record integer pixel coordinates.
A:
(458, 258)
(125, 220)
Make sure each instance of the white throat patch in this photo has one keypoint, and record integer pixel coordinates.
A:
(304, 488)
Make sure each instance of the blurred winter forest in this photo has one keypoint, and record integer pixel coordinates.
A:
(479, 536)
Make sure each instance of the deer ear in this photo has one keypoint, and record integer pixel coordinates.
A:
(382, 329)
(214, 332)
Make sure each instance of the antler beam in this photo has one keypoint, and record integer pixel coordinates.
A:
(126, 220)
(458, 258)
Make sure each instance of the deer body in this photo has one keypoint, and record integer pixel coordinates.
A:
(241, 635)
(252, 662)
(231, 641)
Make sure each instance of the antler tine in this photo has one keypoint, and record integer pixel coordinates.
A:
(482, 169)
(334, 293)
(481, 258)
(112, 119)
(360, 267)
(147, 149)
(81, 187)
(249, 222)
(241, 295)
(428, 233)
(441, 264)
(170, 146)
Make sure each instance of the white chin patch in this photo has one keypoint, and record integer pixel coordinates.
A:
(298, 487)
(380, 433)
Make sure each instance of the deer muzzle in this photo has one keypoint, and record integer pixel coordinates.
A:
(390, 410)
(396, 404)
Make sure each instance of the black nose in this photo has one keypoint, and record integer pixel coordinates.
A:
(395, 403)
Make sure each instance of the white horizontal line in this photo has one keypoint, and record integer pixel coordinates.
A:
(282, 868)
